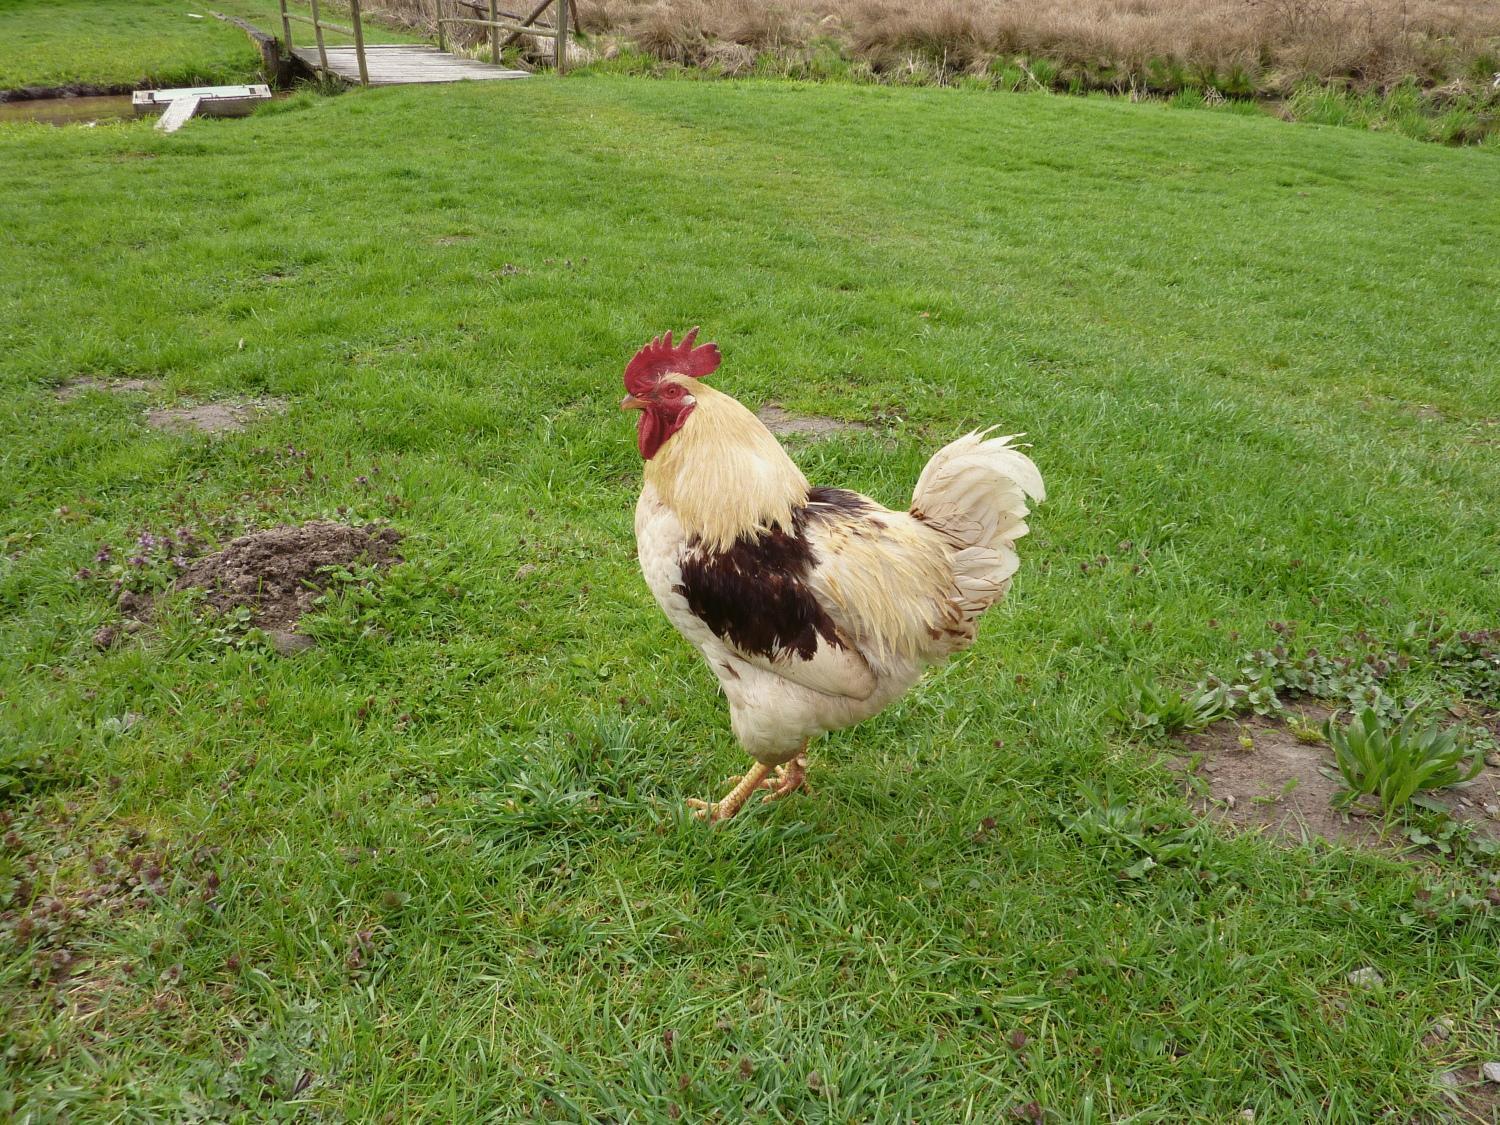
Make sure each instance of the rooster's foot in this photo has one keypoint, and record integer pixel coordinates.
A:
(734, 800)
(787, 779)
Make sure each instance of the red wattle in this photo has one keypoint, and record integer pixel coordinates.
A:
(656, 426)
(648, 437)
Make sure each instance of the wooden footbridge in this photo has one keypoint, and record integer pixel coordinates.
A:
(398, 64)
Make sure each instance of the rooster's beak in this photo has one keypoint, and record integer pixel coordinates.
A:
(630, 402)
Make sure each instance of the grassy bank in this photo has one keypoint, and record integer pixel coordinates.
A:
(1461, 113)
(436, 867)
(110, 44)
(83, 43)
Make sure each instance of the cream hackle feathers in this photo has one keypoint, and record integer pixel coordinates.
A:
(724, 474)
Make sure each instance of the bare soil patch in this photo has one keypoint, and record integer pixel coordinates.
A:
(77, 388)
(1425, 411)
(1286, 787)
(223, 416)
(279, 572)
(1477, 1099)
(213, 417)
(779, 421)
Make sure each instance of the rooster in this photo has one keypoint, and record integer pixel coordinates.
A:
(815, 607)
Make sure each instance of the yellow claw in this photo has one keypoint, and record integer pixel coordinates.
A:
(734, 799)
(787, 779)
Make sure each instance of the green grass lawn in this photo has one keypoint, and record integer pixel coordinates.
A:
(160, 43)
(437, 868)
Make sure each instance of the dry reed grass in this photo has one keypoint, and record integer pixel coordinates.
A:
(1258, 44)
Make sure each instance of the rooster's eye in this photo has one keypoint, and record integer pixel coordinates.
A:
(672, 390)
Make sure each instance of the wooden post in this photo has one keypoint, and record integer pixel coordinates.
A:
(538, 10)
(494, 34)
(359, 42)
(286, 28)
(562, 36)
(318, 34)
(437, 14)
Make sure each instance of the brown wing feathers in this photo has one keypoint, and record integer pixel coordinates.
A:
(755, 594)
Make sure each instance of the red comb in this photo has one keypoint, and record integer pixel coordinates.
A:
(660, 357)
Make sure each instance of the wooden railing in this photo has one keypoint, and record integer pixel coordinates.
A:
(516, 26)
(318, 26)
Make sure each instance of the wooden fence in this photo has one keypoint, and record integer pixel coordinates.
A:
(515, 25)
(318, 26)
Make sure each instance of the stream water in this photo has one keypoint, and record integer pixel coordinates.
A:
(67, 111)
(79, 111)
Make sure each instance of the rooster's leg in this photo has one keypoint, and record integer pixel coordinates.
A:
(787, 779)
(734, 799)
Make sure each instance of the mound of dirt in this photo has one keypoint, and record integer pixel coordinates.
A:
(1256, 774)
(279, 572)
(778, 421)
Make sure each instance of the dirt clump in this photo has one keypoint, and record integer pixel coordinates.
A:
(212, 417)
(1256, 774)
(779, 421)
(278, 573)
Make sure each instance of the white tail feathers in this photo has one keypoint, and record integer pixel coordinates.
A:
(974, 493)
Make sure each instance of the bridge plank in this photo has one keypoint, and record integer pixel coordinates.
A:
(407, 64)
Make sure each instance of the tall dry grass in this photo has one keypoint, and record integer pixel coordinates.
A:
(1268, 44)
